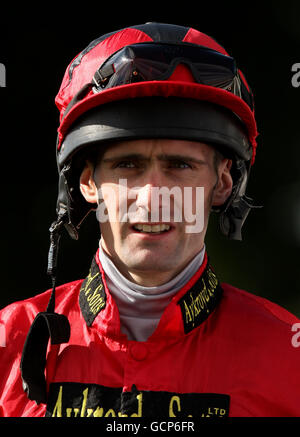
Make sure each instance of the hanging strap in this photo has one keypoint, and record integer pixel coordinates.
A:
(46, 326)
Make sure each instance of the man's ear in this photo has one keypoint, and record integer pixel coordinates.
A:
(224, 184)
(88, 187)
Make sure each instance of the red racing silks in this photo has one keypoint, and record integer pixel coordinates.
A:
(217, 351)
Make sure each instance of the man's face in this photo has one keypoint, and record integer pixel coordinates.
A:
(128, 179)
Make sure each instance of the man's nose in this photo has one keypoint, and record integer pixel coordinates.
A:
(146, 192)
(144, 196)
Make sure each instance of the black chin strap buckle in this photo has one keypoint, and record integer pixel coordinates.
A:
(238, 206)
(46, 326)
(232, 221)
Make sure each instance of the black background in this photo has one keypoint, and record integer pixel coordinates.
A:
(37, 45)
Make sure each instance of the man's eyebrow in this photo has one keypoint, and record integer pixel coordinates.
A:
(178, 157)
(161, 157)
(125, 156)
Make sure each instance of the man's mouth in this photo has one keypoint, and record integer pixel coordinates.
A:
(151, 229)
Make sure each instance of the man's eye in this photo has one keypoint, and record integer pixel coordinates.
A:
(179, 164)
(125, 164)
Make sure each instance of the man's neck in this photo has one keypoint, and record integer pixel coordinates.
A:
(140, 307)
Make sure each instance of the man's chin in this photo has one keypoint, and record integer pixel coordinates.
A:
(149, 261)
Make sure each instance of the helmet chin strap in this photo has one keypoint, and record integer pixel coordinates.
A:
(231, 224)
(55, 234)
(46, 326)
(237, 208)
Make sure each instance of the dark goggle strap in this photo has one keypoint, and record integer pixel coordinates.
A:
(46, 326)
